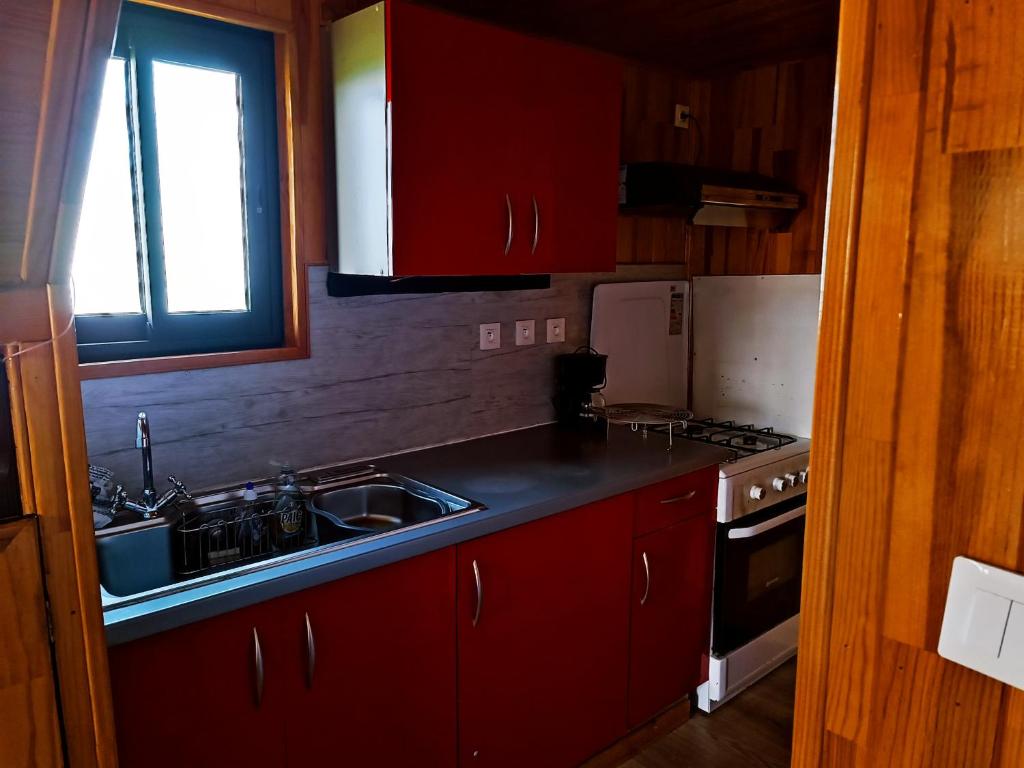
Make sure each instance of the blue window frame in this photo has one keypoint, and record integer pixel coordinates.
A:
(201, 245)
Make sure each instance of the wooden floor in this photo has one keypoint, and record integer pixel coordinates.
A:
(752, 731)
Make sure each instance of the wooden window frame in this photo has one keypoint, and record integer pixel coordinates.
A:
(291, 153)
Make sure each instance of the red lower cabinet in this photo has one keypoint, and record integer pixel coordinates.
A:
(543, 621)
(193, 696)
(671, 614)
(377, 684)
(368, 681)
(535, 646)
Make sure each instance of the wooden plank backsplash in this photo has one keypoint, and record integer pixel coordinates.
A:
(386, 374)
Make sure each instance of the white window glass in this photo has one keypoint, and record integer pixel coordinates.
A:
(106, 266)
(201, 183)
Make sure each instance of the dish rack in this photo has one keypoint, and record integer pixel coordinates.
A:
(231, 534)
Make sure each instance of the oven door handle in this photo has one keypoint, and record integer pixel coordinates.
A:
(767, 525)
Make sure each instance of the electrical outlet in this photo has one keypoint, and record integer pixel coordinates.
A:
(556, 330)
(490, 335)
(525, 332)
(682, 116)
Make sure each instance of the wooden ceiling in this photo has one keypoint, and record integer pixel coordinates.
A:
(697, 36)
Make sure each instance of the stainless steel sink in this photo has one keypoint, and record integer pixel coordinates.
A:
(384, 503)
(136, 557)
(349, 504)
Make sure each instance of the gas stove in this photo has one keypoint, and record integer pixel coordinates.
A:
(766, 468)
(762, 498)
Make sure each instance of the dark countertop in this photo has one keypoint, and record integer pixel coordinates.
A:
(519, 476)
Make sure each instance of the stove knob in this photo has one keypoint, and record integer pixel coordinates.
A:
(757, 493)
(790, 479)
(803, 477)
(779, 484)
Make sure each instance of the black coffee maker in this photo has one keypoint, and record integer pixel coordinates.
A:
(578, 377)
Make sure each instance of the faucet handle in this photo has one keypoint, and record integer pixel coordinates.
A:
(179, 487)
(117, 501)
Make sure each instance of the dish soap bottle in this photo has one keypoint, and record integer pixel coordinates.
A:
(250, 526)
(288, 522)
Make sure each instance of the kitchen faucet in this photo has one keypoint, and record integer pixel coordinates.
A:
(151, 504)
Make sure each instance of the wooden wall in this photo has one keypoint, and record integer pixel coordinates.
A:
(774, 120)
(917, 455)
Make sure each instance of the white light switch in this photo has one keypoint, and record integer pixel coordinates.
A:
(1013, 639)
(1011, 654)
(983, 625)
(984, 628)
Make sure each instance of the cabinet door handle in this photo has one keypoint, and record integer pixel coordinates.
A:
(258, 666)
(676, 499)
(536, 226)
(310, 653)
(647, 577)
(508, 239)
(479, 593)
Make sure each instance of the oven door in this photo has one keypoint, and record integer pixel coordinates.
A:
(758, 566)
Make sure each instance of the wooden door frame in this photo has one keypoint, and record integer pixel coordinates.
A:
(839, 262)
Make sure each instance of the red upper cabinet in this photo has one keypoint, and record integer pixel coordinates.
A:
(208, 694)
(572, 103)
(466, 149)
(542, 637)
(671, 603)
(375, 679)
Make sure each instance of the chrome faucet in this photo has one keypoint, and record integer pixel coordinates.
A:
(151, 504)
(142, 441)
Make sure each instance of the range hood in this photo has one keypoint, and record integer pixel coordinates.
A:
(707, 196)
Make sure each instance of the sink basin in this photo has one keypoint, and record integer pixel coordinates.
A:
(382, 505)
(136, 557)
(144, 557)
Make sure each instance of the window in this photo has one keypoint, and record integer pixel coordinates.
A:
(179, 243)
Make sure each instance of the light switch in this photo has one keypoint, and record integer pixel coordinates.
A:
(983, 624)
(984, 628)
(1011, 653)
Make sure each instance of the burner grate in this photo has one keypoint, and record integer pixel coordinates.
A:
(743, 439)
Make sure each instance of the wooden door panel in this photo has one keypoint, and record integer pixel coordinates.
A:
(928, 168)
(383, 685)
(671, 615)
(542, 673)
(28, 702)
(189, 696)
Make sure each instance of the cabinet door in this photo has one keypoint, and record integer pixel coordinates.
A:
(190, 696)
(543, 640)
(573, 103)
(454, 133)
(376, 682)
(671, 614)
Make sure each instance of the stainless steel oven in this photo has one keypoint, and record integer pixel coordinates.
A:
(758, 562)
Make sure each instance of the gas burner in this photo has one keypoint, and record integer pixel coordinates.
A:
(742, 439)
